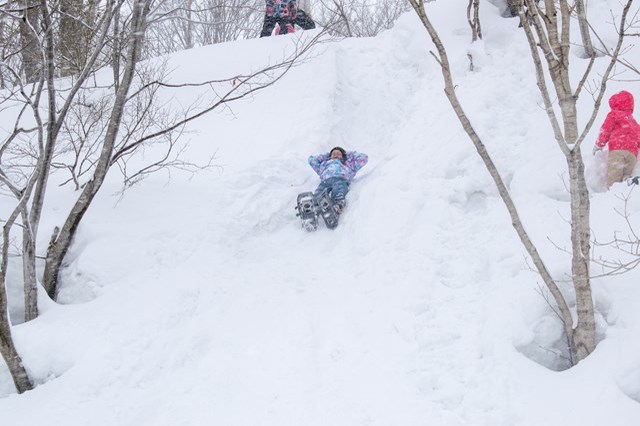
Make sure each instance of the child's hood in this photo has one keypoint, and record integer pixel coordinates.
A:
(622, 101)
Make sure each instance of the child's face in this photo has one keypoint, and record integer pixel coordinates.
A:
(336, 154)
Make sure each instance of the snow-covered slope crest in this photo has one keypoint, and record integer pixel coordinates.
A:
(201, 301)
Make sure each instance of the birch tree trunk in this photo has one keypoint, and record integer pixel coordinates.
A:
(589, 51)
(29, 270)
(584, 334)
(30, 224)
(4, 41)
(189, 30)
(526, 241)
(30, 44)
(116, 51)
(7, 347)
(60, 245)
(552, 38)
(473, 17)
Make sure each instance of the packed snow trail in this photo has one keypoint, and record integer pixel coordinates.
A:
(205, 303)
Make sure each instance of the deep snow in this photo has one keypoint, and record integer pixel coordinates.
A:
(199, 300)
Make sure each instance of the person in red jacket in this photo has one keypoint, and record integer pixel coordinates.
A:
(621, 131)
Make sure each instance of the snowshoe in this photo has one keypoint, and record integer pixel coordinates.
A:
(307, 211)
(327, 210)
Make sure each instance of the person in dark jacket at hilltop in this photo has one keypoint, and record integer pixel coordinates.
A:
(281, 12)
(286, 14)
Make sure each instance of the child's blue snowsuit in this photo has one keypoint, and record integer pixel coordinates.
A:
(336, 175)
(338, 188)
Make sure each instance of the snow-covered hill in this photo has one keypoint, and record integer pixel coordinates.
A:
(200, 301)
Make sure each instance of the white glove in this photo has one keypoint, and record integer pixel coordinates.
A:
(596, 148)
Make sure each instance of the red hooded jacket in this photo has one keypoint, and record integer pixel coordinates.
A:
(620, 129)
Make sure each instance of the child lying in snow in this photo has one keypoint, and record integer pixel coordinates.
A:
(336, 169)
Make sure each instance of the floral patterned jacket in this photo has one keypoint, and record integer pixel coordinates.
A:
(326, 167)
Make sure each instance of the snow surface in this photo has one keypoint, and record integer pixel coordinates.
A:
(200, 301)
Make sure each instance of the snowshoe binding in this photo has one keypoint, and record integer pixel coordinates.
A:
(307, 211)
(327, 209)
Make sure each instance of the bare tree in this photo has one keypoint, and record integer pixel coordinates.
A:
(182, 25)
(22, 152)
(358, 18)
(60, 243)
(551, 36)
(8, 350)
(473, 17)
(233, 89)
(577, 8)
(88, 130)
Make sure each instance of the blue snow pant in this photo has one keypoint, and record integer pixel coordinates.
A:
(337, 186)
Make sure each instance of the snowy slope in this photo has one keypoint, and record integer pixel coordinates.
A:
(200, 301)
